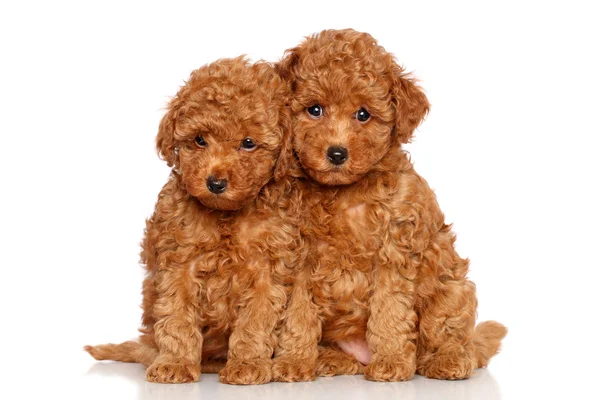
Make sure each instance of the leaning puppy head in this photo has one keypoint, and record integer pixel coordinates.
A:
(352, 104)
(227, 132)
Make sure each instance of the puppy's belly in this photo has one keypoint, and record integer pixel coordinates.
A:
(358, 348)
(343, 297)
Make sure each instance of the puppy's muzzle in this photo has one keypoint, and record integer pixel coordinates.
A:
(216, 186)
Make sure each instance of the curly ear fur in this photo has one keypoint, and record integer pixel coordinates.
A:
(165, 139)
(272, 77)
(286, 152)
(285, 66)
(411, 105)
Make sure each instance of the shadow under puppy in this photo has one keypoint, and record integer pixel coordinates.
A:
(382, 267)
(223, 238)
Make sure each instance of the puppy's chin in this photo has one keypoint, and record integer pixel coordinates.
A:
(333, 177)
(325, 173)
(221, 203)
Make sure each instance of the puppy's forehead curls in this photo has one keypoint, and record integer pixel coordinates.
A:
(353, 105)
(227, 132)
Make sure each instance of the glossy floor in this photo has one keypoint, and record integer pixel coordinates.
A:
(115, 380)
(521, 371)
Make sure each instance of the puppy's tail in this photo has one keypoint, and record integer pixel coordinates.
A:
(143, 353)
(488, 336)
(132, 352)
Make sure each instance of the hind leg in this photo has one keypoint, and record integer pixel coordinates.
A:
(446, 332)
(447, 311)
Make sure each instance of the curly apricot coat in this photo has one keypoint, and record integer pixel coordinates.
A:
(218, 258)
(382, 265)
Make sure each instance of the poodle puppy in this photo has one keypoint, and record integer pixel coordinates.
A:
(220, 246)
(382, 267)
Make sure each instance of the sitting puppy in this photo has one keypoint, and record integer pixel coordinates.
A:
(220, 246)
(382, 265)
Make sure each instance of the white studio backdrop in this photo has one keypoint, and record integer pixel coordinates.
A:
(510, 148)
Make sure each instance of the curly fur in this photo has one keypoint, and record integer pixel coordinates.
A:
(217, 265)
(382, 265)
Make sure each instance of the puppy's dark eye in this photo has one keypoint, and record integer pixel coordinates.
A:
(200, 142)
(248, 144)
(363, 115)
(315, 111)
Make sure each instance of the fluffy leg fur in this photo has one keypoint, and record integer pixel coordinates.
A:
(177, 329)
(449, 345)
(297, 351)
(252, 339)
(391, 329)
(447, 322)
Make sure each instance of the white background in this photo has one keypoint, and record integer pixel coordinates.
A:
(510, 147)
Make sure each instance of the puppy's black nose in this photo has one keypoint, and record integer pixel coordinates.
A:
(215, 185)
(337, 155)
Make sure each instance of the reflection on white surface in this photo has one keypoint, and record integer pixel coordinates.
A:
(111, 376)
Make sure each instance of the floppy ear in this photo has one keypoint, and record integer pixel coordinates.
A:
(285, 154)
(411, 105)
(285, 67)
(285, 70)
(165, 139)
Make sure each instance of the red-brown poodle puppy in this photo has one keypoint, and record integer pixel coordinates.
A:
(382, 264)
(220, 246)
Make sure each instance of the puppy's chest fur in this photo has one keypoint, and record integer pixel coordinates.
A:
(248, 248)
(346, 233)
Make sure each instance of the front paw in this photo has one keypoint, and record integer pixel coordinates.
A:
(391, 368)
(287, 369)
(246, 372)
(173, 372)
